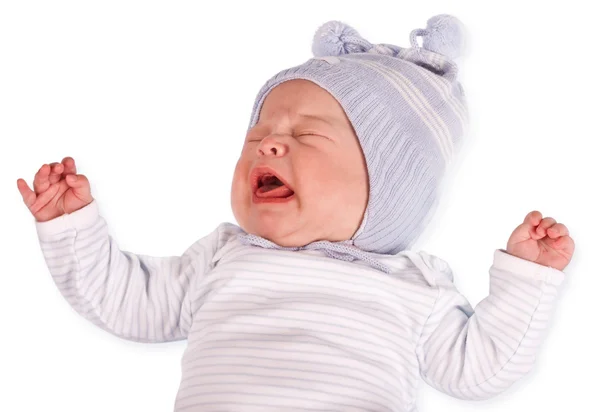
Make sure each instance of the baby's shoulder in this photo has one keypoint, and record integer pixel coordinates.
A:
(435, 270)
(226, 233)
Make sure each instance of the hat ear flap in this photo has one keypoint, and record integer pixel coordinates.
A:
(444, 35)
(335, 38)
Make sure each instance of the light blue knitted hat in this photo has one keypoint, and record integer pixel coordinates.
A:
(408, 111)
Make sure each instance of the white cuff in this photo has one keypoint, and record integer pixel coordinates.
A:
(515, 265)
(79, 219)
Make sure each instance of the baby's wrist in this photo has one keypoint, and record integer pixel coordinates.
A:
(516, 265)
(80, 219)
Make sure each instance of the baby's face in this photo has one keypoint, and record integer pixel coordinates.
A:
(304, 135)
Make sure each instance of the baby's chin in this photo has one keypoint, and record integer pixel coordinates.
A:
(279, 230)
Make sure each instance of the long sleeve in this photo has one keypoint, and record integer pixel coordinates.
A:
(136, 297)
(477, 354)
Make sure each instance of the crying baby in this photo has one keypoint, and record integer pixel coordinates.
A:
(314, 300)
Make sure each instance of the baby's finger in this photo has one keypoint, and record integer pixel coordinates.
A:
(27, 194)
(522, 231)
(55, 172)
(557, 230)
(69, 166)
(43, 199)
(533, 218)
(80, 185)
(565, 243)
(544, 225)
(40, 180)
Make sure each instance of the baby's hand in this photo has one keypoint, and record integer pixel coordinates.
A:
(58, 189)
(542, 241)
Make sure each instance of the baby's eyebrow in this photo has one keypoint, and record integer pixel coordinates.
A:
(325, 120)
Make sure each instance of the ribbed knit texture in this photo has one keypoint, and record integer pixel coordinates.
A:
(408, 111)
(273, 330)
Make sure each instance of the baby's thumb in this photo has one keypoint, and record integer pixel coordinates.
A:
(80, 185)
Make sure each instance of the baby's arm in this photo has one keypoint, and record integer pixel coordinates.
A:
(477, 354)
(136, 297)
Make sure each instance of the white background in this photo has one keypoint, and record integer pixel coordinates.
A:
(152, 99)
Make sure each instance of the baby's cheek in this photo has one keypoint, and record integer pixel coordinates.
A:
(240, 174)
(356, 196)
(239, 190)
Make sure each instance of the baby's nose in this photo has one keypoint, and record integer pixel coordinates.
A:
(271, 146)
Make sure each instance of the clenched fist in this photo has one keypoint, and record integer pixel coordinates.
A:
(57, 189)
(542, 240)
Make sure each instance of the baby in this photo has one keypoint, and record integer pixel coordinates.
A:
(315, 302)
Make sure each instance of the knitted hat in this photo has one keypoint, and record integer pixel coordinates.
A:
(408, 111)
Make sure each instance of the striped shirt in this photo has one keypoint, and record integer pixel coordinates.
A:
(272, 330)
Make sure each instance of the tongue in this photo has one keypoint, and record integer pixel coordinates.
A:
(273, 191)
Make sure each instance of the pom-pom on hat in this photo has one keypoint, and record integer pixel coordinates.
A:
(444, 35)
(408, 111)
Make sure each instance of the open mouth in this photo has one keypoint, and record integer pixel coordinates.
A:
(270, 186)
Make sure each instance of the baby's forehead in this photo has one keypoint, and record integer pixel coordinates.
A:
(313, 118)
(306, 110)
(305, 102)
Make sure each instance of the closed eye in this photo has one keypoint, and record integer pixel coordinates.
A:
(314, 135)
(300, 135)
(305, 134)
(310, 134)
